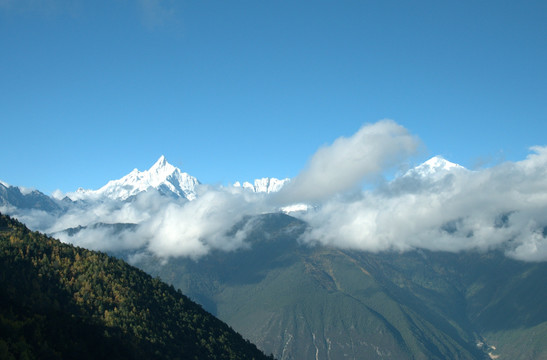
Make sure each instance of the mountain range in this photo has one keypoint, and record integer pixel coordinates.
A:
(167, 180)
(162, 177)
(302, 300)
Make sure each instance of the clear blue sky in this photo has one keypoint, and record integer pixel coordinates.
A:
(236, 90)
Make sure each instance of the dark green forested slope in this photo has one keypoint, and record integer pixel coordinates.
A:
(60, 301)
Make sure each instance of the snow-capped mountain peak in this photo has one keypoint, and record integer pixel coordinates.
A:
(434, 166)
(162, 176)
(162, 166)
(263, 185)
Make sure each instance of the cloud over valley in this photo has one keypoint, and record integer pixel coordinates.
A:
(449, 209)
(504, 207)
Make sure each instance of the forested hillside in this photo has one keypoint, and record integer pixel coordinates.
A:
(316, 302)
(58, 301)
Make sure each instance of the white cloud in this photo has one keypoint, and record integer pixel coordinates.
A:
(502, 207)
(167, 227)
(58, 194)
(33, 218)
(196, 227)
(104, 239)
(344, 165)
(170, 228)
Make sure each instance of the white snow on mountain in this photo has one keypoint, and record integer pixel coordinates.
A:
(434, 167)
(24, 190)
(171, 181)
(296, 208)
(264, 185)
(162, 176)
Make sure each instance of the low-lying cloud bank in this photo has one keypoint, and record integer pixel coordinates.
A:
(161, 225)
(503, 207)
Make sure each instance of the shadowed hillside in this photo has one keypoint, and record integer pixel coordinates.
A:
(301, 302)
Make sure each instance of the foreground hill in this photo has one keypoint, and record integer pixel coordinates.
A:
(58, 301)
(301, 302)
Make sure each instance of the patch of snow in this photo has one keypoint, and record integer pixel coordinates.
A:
(58, 194)
(162, 176)
(295, 208)
(433, 167)
(264, 185)
(26, 190)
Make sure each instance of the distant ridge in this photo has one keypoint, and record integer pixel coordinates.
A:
(171, 181)
(22, 198)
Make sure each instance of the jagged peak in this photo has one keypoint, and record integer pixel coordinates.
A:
(22, 189)
(162, 163)
(162, 176)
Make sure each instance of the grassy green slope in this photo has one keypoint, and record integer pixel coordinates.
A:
(58, 301)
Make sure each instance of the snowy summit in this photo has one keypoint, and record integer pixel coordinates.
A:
(433, 167)
(162, 176)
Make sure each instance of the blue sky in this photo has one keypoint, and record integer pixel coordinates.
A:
(243, 89)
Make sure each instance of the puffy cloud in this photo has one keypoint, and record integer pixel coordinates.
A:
(103, 237)
(33, 218)
(344, 164)
(168, 227)
(164, 226)
(196, 227)
(501, 207)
